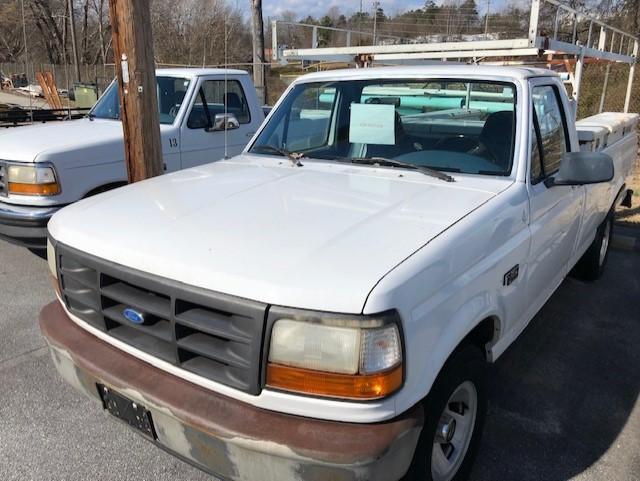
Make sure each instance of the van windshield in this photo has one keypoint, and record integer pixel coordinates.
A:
(170, 90)
(450, 125)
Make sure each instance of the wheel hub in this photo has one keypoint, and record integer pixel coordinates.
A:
(453, 432)
(446, 429)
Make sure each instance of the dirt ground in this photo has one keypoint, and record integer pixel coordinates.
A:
(632, 216)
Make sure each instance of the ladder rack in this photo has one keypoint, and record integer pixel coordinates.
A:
(589, 40)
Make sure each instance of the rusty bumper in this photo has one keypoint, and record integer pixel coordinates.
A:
(226, 437)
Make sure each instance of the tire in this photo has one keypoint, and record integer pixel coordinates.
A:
(41, 253)
(591, 265)
(434, 458)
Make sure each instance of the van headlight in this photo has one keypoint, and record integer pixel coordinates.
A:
(32, 179)
(335, 356)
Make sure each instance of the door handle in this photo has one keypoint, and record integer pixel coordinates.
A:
(250, 134)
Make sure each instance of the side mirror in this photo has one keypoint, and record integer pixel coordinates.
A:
(580, 168)
(224, 122)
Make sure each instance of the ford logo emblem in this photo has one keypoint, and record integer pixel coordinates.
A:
(134, 316)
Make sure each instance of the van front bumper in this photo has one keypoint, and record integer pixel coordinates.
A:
(25, 225)
(225, 437)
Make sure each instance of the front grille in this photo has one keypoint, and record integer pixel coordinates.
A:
(213, 335)
(3, 179)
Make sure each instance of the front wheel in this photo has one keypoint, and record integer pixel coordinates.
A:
(454, 418)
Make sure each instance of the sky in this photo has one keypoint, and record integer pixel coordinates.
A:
(273, 8)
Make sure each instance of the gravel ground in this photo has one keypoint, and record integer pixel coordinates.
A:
(564, 397)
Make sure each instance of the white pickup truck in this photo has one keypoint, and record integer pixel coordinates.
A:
(47, 166)
(324, 305)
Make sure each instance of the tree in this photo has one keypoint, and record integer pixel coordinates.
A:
(325, 36)
(469, 16)
(11, 44)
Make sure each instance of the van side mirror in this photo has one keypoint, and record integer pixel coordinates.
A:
(580, 168)
(224, 122)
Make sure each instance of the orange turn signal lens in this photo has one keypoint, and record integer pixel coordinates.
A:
(346, 386)
(34, 189)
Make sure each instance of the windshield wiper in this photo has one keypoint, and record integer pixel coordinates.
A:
(294, 157)
(382, 161)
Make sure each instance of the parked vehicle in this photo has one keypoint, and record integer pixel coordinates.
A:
(324, 305)
(45, 167)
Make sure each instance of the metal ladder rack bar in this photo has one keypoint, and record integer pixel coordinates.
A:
(608, 46)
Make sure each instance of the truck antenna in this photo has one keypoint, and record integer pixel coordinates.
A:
(226, 66)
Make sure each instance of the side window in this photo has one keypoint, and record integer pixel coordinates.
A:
(213, 98)
(551, 127)
(310, 119)
(171, 92)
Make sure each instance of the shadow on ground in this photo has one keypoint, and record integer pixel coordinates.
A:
(562, 394)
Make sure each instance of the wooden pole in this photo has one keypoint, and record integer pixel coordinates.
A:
(135, 72)
(258, 50)
(74, 42)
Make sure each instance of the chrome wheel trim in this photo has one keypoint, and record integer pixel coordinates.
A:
(454, 432)
(604, 246)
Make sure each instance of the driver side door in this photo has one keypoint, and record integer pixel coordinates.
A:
(555, 211)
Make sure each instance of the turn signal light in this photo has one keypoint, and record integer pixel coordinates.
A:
(34, 189)
(346, 386)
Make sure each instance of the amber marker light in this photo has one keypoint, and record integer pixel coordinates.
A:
(34, 189)
(345, 386)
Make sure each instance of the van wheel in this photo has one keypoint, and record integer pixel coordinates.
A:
(591, 265)
(455, 411)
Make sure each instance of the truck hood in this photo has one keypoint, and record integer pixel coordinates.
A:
(41, 142)
(317, 237)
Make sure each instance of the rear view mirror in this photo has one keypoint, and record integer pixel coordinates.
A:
(580, 168)
(224, 122)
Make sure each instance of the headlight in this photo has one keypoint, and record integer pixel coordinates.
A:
(32, 179)
(329, 359)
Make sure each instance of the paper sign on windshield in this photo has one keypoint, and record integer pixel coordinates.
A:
(372, 124)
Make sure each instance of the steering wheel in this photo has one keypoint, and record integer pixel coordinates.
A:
(483, 151)
(173, 111)
(461, 140)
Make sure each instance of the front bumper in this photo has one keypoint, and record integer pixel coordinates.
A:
(25, 225)
(225, 437)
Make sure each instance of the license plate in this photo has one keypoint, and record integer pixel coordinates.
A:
(123, 408)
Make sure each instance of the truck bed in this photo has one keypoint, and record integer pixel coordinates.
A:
(612, 133)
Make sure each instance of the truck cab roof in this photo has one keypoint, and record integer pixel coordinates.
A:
(197, 72)
(441, 69)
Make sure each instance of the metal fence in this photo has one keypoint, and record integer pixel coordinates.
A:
(590, 96)
(591, 99)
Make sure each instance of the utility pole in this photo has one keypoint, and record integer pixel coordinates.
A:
(257, 32)
(135, 72)
(74, 43)
(486, 19)
(360, 24)
(376, 5)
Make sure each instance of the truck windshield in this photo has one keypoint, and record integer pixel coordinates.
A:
(450, 125)
(170, 90)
